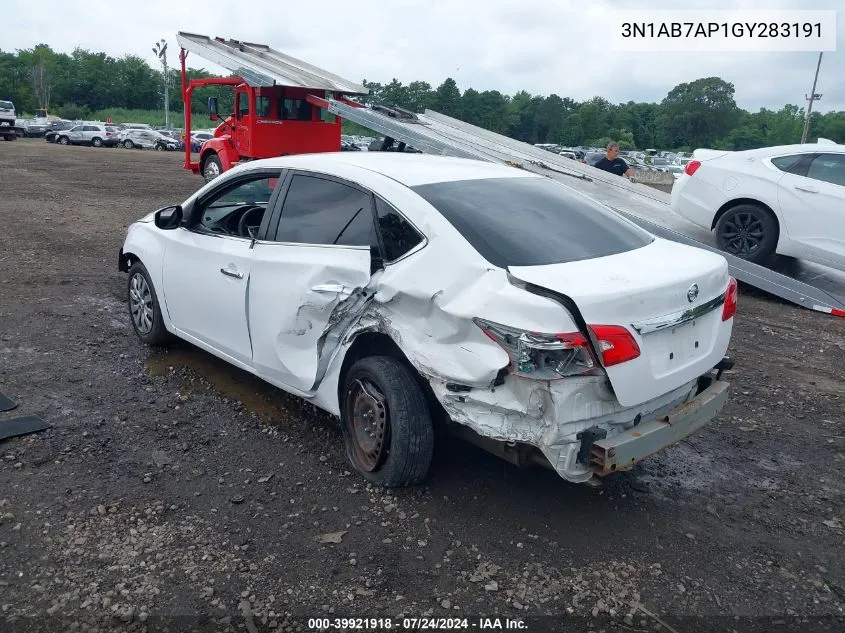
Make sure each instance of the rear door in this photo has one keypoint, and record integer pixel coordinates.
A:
(307, 276)
(812, 199)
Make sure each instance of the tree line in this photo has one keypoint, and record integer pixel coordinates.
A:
(700, 113)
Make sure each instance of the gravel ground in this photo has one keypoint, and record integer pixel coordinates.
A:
(174, 490)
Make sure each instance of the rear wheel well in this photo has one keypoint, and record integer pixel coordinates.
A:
(379, 344)
(735, 203)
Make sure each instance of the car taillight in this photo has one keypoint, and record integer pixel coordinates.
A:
(731, 297)
(616, 344)
(544, 356)
(692, 167)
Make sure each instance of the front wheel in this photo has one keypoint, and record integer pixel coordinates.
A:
(387, 426)
(64, 140)
(749, 232)
(144, 310)
(128, 144)
(211, 167)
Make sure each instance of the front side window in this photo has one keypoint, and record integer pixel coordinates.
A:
(828, 168)
(221, 212)
(321, 211)
(527, 221)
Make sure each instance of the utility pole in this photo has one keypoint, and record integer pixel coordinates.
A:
(813, 97)
(160, 49)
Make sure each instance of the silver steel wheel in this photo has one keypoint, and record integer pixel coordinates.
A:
(212, 170)
(141, 303)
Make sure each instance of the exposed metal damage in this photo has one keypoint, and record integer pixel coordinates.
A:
(470, 378)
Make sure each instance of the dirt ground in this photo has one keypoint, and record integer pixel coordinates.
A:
(175, 490)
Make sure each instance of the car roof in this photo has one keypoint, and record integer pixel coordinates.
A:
(828, 148)
(409, 169)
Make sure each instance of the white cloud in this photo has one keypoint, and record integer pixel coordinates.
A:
(543, 46)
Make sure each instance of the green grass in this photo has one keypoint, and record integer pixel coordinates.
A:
(150, 117)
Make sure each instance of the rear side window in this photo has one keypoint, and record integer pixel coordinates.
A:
(789, 163)
(321, 211)
(828, 168)
(531, 221)
(398, 235)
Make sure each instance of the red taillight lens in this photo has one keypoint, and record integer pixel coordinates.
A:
(616, 344)
(731, 297)
(692, 167)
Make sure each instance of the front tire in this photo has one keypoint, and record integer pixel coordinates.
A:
(749, 232)
(387, 426)
(64, 140)
(144, 311)
(128, 144)
(211, 167)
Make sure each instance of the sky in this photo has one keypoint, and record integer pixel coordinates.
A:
(542, 46)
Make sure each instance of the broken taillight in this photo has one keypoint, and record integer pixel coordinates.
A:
(692, 167)
(616, 344)
(552, 356)
(731, 298)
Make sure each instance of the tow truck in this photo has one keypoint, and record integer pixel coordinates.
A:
(287, 106)
(277, 109)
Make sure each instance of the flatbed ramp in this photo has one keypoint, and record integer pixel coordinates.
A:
(813, 287)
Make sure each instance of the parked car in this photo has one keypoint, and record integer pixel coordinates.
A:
(393, 292)
(198, 138)
(788, 200)
(7, 113)
(138, 138)
(88, 134)
(55, 127)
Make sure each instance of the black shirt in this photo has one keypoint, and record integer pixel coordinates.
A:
(616, 166)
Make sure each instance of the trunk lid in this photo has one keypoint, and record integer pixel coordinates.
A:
(643, 290)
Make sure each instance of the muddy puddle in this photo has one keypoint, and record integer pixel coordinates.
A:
(272, 405)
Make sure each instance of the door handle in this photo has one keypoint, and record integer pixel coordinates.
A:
(232, 273)
(807, 188)
(338, 288)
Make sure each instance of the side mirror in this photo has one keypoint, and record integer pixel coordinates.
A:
(212, 108)
(168, 218)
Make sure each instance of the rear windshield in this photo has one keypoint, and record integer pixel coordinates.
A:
(531, 221)
(7, 105)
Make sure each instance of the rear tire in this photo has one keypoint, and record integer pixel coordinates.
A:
(144, 311)
(128, 144)
(749, 232)
(97, 142)
(387, 425)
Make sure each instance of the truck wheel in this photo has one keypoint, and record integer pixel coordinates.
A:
(387, 427)
(144, 311)
(211, 167)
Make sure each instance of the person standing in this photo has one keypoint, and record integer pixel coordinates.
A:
(613, 163)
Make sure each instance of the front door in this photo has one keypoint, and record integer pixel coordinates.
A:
(241, 135)
(207, 266)
(307, 276)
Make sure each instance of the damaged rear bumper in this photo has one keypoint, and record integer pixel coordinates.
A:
(622, 451)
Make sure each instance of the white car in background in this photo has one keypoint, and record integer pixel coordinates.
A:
(392, 290)
(788, 200)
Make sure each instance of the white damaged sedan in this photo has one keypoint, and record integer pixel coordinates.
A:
(397, 290)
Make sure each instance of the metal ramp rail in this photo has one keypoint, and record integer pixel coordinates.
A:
(646, 206)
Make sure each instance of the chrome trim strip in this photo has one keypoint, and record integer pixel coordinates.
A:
(677, 318)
